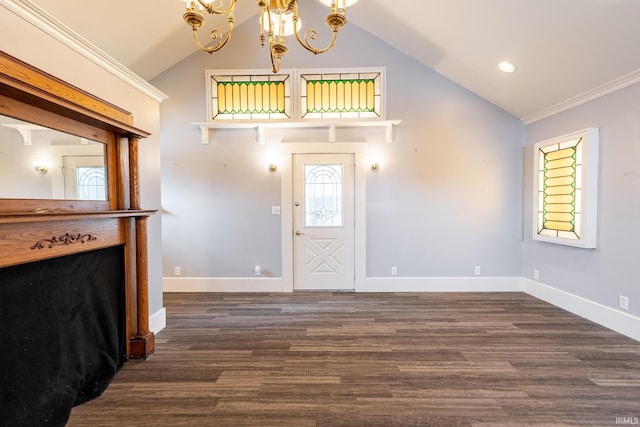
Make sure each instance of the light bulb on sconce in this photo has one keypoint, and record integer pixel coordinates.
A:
(375, 167)
(273, 167)
(40, 166)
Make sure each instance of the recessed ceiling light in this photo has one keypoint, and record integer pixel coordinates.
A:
(507, 67)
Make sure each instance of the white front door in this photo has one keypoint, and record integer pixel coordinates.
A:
(323, 221)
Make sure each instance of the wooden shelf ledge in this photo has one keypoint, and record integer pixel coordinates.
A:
(329, 125)
(61, 215)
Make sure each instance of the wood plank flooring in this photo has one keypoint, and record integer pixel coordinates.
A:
(339, 359)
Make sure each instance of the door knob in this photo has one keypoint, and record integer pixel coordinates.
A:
(297, 203)
(299, 233)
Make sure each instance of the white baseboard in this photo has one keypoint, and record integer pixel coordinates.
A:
(222, 284)
(608, 317)
(158, 320)
(444, 284)
(373, 284)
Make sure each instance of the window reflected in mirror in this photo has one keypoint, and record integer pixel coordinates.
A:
(41, 163)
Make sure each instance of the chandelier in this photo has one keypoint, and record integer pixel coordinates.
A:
(278, 19)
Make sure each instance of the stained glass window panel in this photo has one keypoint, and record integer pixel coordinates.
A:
(249, 97)
(559, 189)
(341, 95)
(323, 195)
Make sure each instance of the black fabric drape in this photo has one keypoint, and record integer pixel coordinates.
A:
(62, 335)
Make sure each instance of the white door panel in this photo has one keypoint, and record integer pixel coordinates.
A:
(323, 220)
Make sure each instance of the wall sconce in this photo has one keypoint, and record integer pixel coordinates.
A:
(375, 167)
(40, 166)
(273, 167)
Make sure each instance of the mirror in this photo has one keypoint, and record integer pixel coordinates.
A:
(41, 163)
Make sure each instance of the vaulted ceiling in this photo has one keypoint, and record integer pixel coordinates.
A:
(566, 51)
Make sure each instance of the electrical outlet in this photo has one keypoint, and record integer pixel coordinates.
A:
(177, 271)
(477, 270)
(623, 302)
(536, 275)
(394, 271)
(257, 271)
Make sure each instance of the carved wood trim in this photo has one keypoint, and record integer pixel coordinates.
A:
(64, 240)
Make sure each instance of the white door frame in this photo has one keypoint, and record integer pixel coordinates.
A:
(359, 150)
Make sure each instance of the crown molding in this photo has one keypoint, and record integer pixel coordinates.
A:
(595, 93)
(36, 16)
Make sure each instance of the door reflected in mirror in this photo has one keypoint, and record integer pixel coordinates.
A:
(41, 163)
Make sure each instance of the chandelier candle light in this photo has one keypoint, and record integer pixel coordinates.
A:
(278, 19)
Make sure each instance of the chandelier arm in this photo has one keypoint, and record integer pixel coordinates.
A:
(215, 34)
(275, 62)
(209, 7)
(313, 34)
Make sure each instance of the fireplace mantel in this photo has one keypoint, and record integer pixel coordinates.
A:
(35, 229)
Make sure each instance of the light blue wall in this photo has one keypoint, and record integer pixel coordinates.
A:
(448, 195)
(604, 273)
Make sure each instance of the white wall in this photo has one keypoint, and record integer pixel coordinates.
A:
(29, 44)
(448, 195)
(602, 274)
(18, 178)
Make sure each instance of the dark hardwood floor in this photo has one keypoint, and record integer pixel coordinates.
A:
(339, 359)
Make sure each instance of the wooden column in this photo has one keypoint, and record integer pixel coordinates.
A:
(142, 344)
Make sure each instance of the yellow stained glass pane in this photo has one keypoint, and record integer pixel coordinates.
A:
(564, 189)
(333, 96)
(251, 98)
(554, 173)
(311, 97)
(362, 104)
(559, 216)
(221, 98)
(281, 97)
(560, 199)
(340, 97)
(560, 163)
(348, 89)
(236, 97)
(371, 98)
(266, 98)
(560, 154)
(325, 96)
(318, 106)
(559, 208)
(563, 180)
(259, 99)
(228, 107)
(558, 225)
(244, 97)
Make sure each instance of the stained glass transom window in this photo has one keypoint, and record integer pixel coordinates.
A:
(323, 195)
(250, 97)
(341, 95)
(91, 183)
(560, 189)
